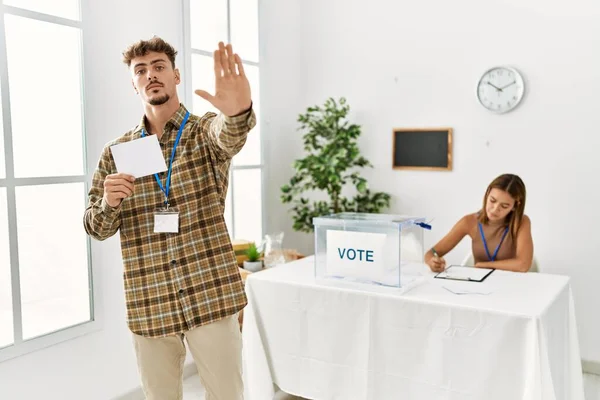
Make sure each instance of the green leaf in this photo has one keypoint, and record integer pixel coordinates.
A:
(362, 187)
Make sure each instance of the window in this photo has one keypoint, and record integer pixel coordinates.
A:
(45, 282)
(235, 22)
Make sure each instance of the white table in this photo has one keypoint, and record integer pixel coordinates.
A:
(354, 342)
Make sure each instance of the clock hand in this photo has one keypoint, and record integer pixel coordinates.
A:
(512, 83)
(496, 87)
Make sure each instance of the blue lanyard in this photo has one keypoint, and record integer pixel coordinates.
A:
(165, 189)
(485, 243)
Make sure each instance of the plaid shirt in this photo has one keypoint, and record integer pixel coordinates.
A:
(177, 281)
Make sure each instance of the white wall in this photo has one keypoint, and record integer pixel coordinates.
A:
(100, 365)
(416, 64)
(282, 94)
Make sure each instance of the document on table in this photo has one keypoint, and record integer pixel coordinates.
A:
(461, 273)
(463, 290)
(139, 157)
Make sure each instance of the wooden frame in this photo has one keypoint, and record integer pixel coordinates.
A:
(448, 132)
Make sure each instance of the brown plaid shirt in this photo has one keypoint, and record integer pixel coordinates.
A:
(177, 281)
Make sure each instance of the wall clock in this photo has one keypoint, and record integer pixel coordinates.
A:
(500, 89)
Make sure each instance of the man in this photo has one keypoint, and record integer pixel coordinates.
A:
(181, 277)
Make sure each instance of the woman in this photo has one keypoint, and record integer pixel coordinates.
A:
(500, 232)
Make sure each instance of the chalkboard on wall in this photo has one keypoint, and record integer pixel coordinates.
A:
(423, 149)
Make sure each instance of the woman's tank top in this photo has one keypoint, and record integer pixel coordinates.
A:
(494, 233)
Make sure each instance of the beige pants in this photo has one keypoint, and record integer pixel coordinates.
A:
(217, 351)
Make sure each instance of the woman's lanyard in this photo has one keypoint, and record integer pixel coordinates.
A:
(166, 187)
(485, 242)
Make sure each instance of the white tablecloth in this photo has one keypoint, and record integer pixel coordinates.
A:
(352, 341)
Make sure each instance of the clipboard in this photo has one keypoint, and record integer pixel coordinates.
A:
(465, 274)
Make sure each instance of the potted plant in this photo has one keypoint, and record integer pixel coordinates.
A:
(333, 161)
(253, 263)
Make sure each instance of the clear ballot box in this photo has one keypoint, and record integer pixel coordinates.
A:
(368, 248)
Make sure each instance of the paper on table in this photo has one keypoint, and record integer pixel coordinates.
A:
(139, 157)
(464, 273)
(458, 290)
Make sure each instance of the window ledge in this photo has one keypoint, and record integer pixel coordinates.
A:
(48, 340)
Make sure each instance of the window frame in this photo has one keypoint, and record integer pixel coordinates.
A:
(188, 93)
(22, 346)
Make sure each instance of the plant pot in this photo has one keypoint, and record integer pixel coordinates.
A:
(253, 266)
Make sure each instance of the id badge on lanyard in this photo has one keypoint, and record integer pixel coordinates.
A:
(166, 219)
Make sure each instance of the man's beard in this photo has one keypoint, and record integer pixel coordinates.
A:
(157, 101)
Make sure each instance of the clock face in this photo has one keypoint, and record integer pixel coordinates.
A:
(500, 89)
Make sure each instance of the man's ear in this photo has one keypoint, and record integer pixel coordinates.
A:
(177, 76)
